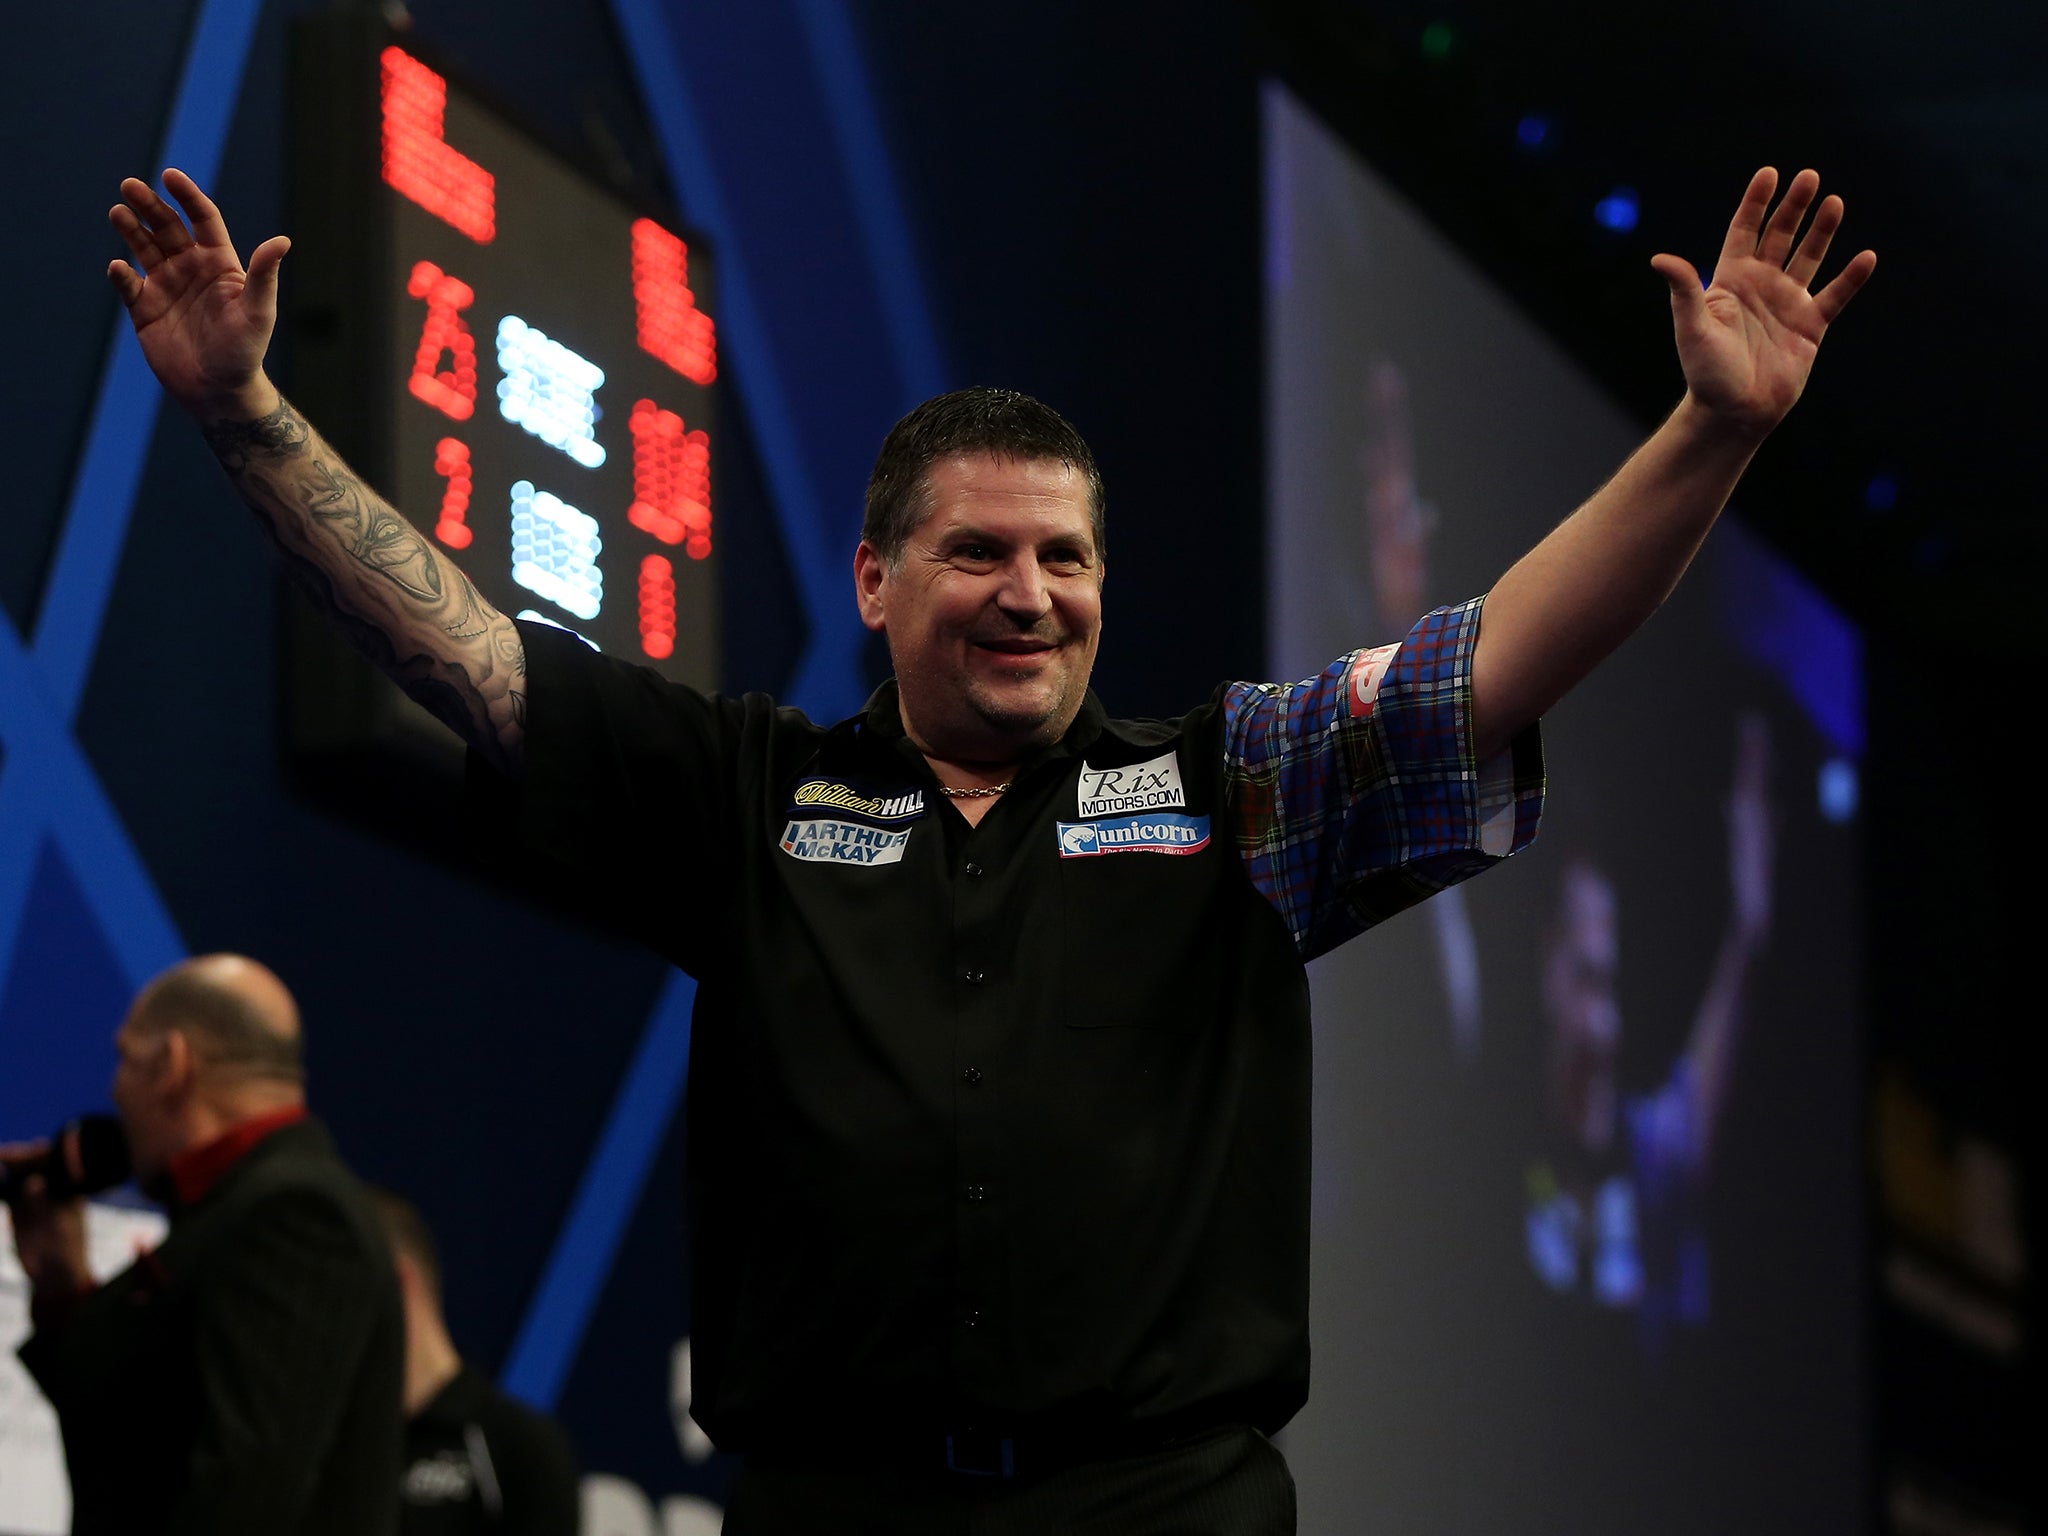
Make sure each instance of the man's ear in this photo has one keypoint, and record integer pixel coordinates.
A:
(177, 1064)
(870, 574)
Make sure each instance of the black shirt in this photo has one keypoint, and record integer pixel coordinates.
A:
(478, 1463)
(244, 1377)
(1004, 1124)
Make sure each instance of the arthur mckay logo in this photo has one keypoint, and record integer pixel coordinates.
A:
(843, 842)
(814, 795)
(1149, 786)
(1160, 832)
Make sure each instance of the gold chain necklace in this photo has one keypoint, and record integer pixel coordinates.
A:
(975, 794)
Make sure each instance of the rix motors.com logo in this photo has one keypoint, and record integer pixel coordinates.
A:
(1149, 786)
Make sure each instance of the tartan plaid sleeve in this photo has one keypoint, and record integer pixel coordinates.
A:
(1355, 793)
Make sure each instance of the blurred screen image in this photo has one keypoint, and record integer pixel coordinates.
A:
(1587, 1206)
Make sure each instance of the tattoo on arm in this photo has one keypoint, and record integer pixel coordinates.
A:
(372, 532)
(397, 598)
(473, 616)
(281, 434)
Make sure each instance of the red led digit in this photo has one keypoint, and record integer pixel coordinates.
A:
(671, 479)
(671, 326)
(657, 607)
(419, 163)
(451, 390)
(451, 459)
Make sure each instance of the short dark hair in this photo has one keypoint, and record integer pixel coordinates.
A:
(1002, 422)
(409, 1236)
(225, 1028)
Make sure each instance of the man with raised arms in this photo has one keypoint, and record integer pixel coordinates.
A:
(999, 1131)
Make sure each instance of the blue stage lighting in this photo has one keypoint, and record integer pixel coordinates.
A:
(1533, 131)
(1882, 493)
(1840, 790)
(1617, 211)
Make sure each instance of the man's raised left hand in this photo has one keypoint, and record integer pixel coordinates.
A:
(1747, 343)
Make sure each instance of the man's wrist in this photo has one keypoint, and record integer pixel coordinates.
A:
(1716, 430)
(250, 402)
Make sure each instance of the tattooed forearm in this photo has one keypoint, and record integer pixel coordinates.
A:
(281, 434)
(473, 617)
(371, 532)
(398, 598)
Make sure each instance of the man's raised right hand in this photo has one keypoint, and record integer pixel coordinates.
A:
(203, 320)
(204, 323)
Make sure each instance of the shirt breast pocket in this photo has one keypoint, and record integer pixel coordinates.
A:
(1140, 935)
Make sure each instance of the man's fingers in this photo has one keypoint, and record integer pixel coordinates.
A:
(157, 216)
(263, 264)
(1683, 278)
(1776, 245)
(1834, 298)
(208, 227)
(126, 282)
(1746, 228)
(1814, 248)
(140, 242)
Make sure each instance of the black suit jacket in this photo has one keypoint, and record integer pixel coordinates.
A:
(246, 1376)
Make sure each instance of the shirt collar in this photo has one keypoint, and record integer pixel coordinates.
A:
(196, 1170)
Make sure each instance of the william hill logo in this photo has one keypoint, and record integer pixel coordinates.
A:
(830, 795)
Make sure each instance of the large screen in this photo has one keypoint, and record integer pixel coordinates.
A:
(521, 359)
(1587, 1205)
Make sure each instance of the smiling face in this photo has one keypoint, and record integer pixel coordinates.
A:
(992, 610)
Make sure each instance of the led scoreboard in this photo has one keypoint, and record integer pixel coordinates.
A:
(520, 358)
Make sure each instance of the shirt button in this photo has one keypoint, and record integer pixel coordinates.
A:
(975, 1193)
(974, 978)
(973, 869)
(971, 1076)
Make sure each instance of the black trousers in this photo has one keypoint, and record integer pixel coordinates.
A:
(1228, 1483)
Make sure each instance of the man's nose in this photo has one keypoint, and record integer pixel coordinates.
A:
(1024, 592)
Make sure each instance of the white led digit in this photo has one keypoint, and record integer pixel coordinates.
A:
(549, 390)
(555, 550)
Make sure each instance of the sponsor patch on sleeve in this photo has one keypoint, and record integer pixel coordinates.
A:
(843, 842)
(1159, 832)
(1149, 786)
(1366, 674)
